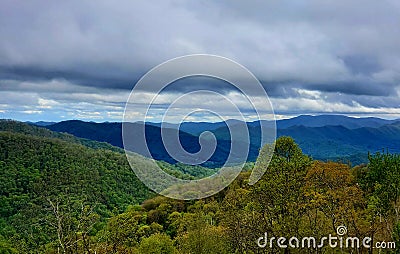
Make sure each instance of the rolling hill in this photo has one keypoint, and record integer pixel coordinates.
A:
(112, 133)
(335, 142)
(337, 120)
(196, 128)
(48, 177)
(326, 137)
(33, 130)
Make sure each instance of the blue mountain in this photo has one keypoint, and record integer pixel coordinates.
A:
(326, 137)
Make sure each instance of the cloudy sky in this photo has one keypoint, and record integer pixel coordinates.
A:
(80, 59)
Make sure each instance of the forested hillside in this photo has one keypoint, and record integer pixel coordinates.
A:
(44, 182)
(23, 128)
(48, 178)
(58, 196)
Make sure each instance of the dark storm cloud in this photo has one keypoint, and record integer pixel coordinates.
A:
(104, 44)
(362, 64)
(356, 88)
(100, 80)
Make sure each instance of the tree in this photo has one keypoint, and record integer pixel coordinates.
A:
(278, 195)
(334, 199)
(157, 244)
(381, 183)
(275, 204)
(200, 237)
(6, 247)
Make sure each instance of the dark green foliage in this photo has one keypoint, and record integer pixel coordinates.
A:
(55, 192)
(23, 128)
(157, 244)
(381, 182)
(46, 181)
(186, 172)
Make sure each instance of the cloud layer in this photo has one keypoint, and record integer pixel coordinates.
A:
(80, 59)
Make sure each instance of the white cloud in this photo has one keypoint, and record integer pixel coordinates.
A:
(31, 111)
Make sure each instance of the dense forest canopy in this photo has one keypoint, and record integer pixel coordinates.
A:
(61, 195)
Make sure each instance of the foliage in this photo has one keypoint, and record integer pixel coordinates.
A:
(22, 128)
(157, 244)
(55, 192)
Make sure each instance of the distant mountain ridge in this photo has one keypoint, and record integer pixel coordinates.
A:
(112, 133)
(336, 120)
(303, 120)
(329, 142)
(195, 128)
(41, 123)
(325, 137)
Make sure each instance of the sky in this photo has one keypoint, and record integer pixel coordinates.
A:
(80, 59)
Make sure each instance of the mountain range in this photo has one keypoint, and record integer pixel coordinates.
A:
(303, 120)
(324, 137)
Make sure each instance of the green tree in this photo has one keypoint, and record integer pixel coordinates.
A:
(157, 244)
(6, 247)
(200, 237)
(275, 204)
(333, 199)
(279, 194)
(381, 183)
